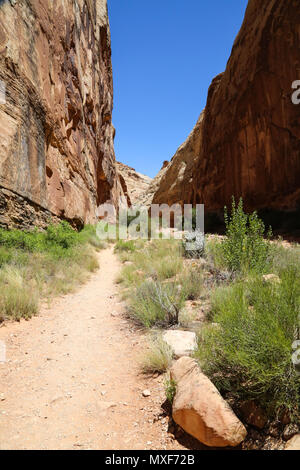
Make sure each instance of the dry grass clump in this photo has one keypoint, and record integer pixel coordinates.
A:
(158, 357)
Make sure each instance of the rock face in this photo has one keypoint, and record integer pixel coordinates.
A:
(174, 183)
(247, 142)
(137, 185)
(200, 410)
(56, 136)
(146, 198)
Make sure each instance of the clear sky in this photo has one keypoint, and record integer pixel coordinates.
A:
(165, 54)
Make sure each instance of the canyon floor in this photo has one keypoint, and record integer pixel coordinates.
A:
(72, 380)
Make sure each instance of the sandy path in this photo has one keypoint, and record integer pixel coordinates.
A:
(71, 378)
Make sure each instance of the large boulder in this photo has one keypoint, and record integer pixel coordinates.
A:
(182, 343)
(200, 410)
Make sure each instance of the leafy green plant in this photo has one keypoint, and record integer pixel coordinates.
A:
(244, 247)
(170, 389)
(249, 351)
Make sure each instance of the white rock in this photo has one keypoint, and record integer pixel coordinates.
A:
(182, 343)
(146, 393)
(293, 444)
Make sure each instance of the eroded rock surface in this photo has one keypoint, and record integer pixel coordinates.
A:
(247, 142)
(56, 135)
(200, 410)
(137, 185)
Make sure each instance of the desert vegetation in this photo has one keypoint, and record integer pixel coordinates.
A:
(42, 264)
(249, 285)
(249, 353)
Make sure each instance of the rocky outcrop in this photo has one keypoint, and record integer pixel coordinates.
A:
(136, 184)
(247, 142)
(56, 135)
(174, 184)
(200, 410)
(146, 198)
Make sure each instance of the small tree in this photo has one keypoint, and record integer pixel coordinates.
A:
(245, 248)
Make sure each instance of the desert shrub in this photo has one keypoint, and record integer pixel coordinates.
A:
(61, 235)
(42, 264)
(130, 276)
(214, 253)
(249, 353)
(158, 357)
(158, 304)
(283, 257)
(244, 247)
(194, 244)
(192, 283)
(165, 268)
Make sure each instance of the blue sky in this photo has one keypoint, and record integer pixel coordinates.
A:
(165, 54)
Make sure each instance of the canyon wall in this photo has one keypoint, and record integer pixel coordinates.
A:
(248, 141)
(56, 135)
(135, 185)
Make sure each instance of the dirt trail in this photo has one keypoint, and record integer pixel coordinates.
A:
(71, 378)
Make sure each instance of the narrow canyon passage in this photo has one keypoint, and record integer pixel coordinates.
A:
(72, 380)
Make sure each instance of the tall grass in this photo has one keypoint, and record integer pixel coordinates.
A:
(158, 357)
(36, 265)
(250, 353)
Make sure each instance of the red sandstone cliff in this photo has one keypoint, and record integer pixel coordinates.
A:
(249, 141)
(56, 136)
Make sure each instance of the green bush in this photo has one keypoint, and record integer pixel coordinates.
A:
(153, 303)
(244, 248)
(5, 256)
(42, 264)
(249, 353)
(170, 389)
(61, 235)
